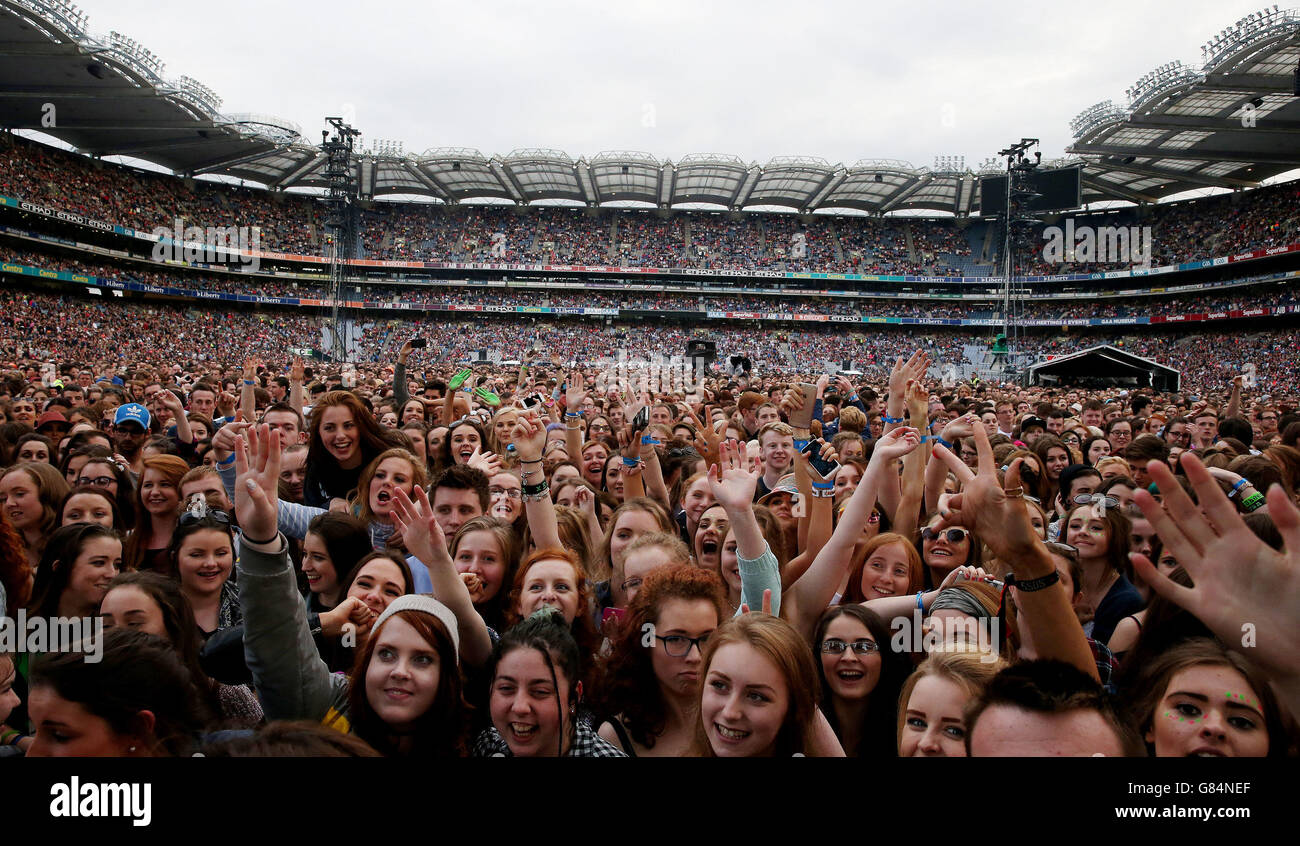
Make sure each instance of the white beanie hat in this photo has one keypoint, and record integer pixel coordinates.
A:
(428, 605)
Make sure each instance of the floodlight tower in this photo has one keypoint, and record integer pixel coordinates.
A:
(1018, 212)
(341, 197)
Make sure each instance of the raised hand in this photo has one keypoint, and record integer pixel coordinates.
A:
(733, 485)
(895, 444)
(529, 437)
(298, 371)
(1246, 592)
(488, 462)
(419, 527)
(576, 393)
(257, 481)
(999, 516)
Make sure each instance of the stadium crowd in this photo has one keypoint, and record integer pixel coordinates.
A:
(410, 557)
(567, 552)
(622, 298)
(293, 223)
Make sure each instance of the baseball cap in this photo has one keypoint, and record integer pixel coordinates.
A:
(50, 417)
(132, 412)
(1033, 421)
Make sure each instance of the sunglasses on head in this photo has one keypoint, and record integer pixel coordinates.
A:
(953, 535)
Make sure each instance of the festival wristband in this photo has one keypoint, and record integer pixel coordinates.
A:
(227, 462)
(889, 419)
(823, 486)
(800, 443)
(1241, 483)
(1031, 585)
(1253, 502)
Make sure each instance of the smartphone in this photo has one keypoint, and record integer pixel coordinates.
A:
(531, 402)
(419, 343)
(641, 419)
(613, 614)
(822, 466)
(802, 418)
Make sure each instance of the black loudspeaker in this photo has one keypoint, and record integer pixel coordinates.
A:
(701, 349)
(741, 364)
(1295, 89)
(848, 365)
(480, 355)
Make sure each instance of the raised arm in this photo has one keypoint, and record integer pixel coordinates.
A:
(529, 439)
(733, 487)
(1001, 520)
(811, 594)
(248, 393)
(424, 539)
(909, 507)
(936, 472)
(573, 399)
(401, 393)
(296, 376)
(292, 681)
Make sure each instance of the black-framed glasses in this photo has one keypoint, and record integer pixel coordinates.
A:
(835, 646)
(953, 535)
(508, 493)
(98, 481)
(679, 646)
(631, 584)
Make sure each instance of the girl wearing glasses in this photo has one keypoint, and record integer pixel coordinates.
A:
(943, 551)
(107, 474)
(860, 678)
(1100, 532)
(758, 691)
(649, 689)
(505, 491)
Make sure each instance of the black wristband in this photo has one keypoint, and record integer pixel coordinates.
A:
(533, 490)
(247, 539)
(1031, 585)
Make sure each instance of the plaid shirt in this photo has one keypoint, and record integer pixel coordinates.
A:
(586, 744)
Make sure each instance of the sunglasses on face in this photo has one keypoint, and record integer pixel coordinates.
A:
(1089, 499)
(954, 535)
(835, 646)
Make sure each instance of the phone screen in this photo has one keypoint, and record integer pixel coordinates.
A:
(823, 466)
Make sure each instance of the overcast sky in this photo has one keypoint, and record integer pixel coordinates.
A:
(841, 81)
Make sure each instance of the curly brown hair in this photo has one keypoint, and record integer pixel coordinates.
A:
(628, 688)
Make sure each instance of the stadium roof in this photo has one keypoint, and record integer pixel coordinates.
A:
(1229, 123)
(1182, 130)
